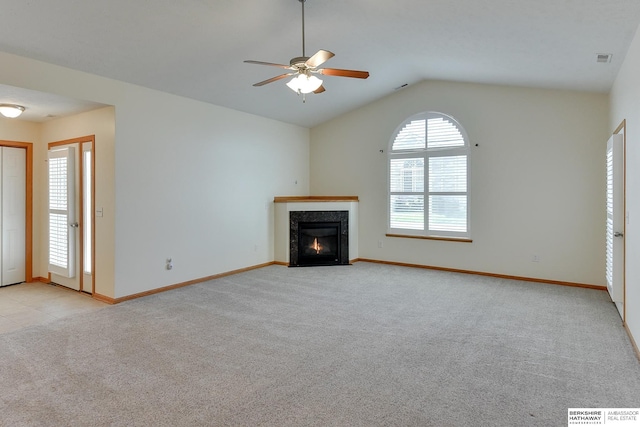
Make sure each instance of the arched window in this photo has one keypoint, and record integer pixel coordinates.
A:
(429, 177)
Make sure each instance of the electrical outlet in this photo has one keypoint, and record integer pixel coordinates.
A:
(535, 258)
(169, 265)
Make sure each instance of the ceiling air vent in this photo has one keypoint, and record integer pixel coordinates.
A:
(603, 57)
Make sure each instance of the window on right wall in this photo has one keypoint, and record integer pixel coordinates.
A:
(429, 178)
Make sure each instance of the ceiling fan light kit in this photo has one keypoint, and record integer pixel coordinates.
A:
(303, 68)
(303, 83)
(11, 110)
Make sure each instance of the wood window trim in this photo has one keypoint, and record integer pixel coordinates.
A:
(446, 239)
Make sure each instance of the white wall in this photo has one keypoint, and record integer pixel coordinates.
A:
(193, 181)
(625, 104)
(537, 178)
(18, 130)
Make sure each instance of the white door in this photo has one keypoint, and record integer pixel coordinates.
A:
(615, 221)
(13, 215)
(71, 217)
(63, 222)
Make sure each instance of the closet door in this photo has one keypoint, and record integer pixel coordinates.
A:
(13, 215)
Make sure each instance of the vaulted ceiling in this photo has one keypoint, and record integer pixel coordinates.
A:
(196, 48)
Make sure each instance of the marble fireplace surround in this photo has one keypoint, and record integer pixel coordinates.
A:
(286, 204)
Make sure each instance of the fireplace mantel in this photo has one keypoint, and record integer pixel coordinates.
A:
(309, 199)
(285, 204)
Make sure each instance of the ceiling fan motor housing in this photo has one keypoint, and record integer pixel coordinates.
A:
(299, 62)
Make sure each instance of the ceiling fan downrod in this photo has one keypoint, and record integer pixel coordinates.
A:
(304, 54)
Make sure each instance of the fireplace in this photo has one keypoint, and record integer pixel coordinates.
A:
(319, 238)
(304, 208)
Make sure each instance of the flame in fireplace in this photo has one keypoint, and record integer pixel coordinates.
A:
(316, 246)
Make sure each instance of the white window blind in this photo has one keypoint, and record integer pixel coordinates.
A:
(443, 133)
(412, 136)
(448, 174)
(609, 235)
(61, 212)
(429, 177)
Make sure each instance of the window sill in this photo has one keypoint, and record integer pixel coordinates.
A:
(447, 239)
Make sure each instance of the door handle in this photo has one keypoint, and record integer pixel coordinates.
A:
(74, 225)
(618, 234)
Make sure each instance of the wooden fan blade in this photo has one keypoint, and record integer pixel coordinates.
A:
(344, 73)
(274, 79)
(319, 90)
(319, 58)
(268, 63)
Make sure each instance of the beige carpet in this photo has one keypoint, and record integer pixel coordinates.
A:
(361, 345)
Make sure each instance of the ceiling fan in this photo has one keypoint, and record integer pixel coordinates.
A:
(304, 68)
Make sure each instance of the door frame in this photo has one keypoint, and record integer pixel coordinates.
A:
(622, 129)
(28, 246)
(90, 139)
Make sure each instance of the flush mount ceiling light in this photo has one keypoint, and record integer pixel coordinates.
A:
(11, 110)
(303, 67)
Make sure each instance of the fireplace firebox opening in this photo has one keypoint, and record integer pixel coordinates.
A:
(319, 238)
(318, 243)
